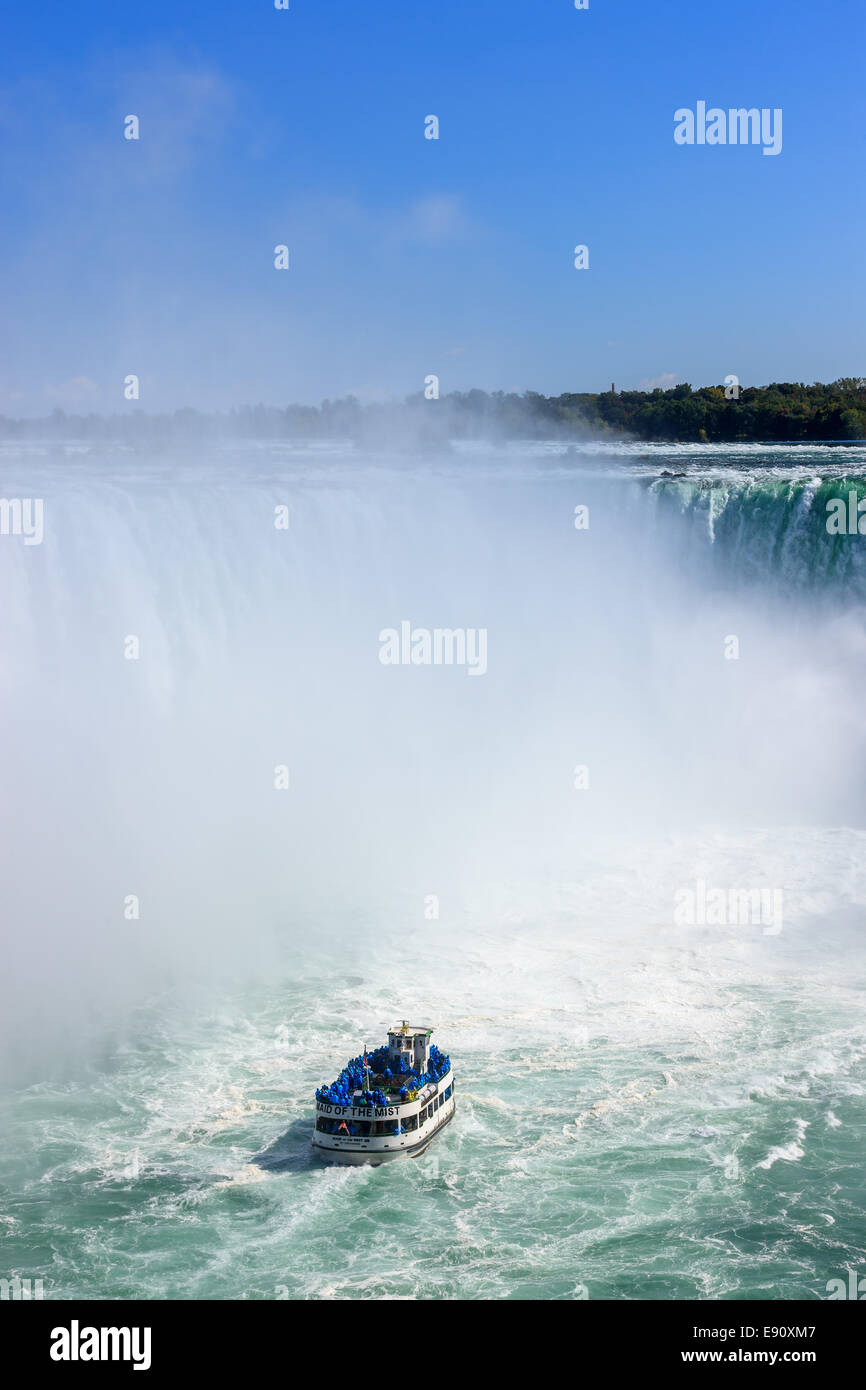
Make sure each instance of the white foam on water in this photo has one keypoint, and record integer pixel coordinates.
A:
(611, 1061)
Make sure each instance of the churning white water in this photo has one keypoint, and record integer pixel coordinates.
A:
(234, 843)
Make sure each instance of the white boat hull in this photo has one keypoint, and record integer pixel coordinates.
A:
(376, 1149)
(372, 1157)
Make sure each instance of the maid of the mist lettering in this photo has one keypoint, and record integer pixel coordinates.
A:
(736, 126)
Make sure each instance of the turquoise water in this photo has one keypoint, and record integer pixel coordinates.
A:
(646, 1108)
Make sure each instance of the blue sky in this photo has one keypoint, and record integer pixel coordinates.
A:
(411, 256)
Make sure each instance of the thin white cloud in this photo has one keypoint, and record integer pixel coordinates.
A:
(664, 382)
(437, 218)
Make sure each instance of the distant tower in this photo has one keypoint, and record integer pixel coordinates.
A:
(613, 388)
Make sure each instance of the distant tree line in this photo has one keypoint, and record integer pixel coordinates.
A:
(782, 411)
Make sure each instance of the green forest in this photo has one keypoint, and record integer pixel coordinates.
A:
(789, 411)
(782, 411)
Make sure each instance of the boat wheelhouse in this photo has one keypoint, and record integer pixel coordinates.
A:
(386, 1104)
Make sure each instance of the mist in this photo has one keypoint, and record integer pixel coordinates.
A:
(154, 784)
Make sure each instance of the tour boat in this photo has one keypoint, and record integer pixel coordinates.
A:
(386, 1104)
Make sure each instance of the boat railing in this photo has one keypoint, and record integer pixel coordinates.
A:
(424, 1095)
